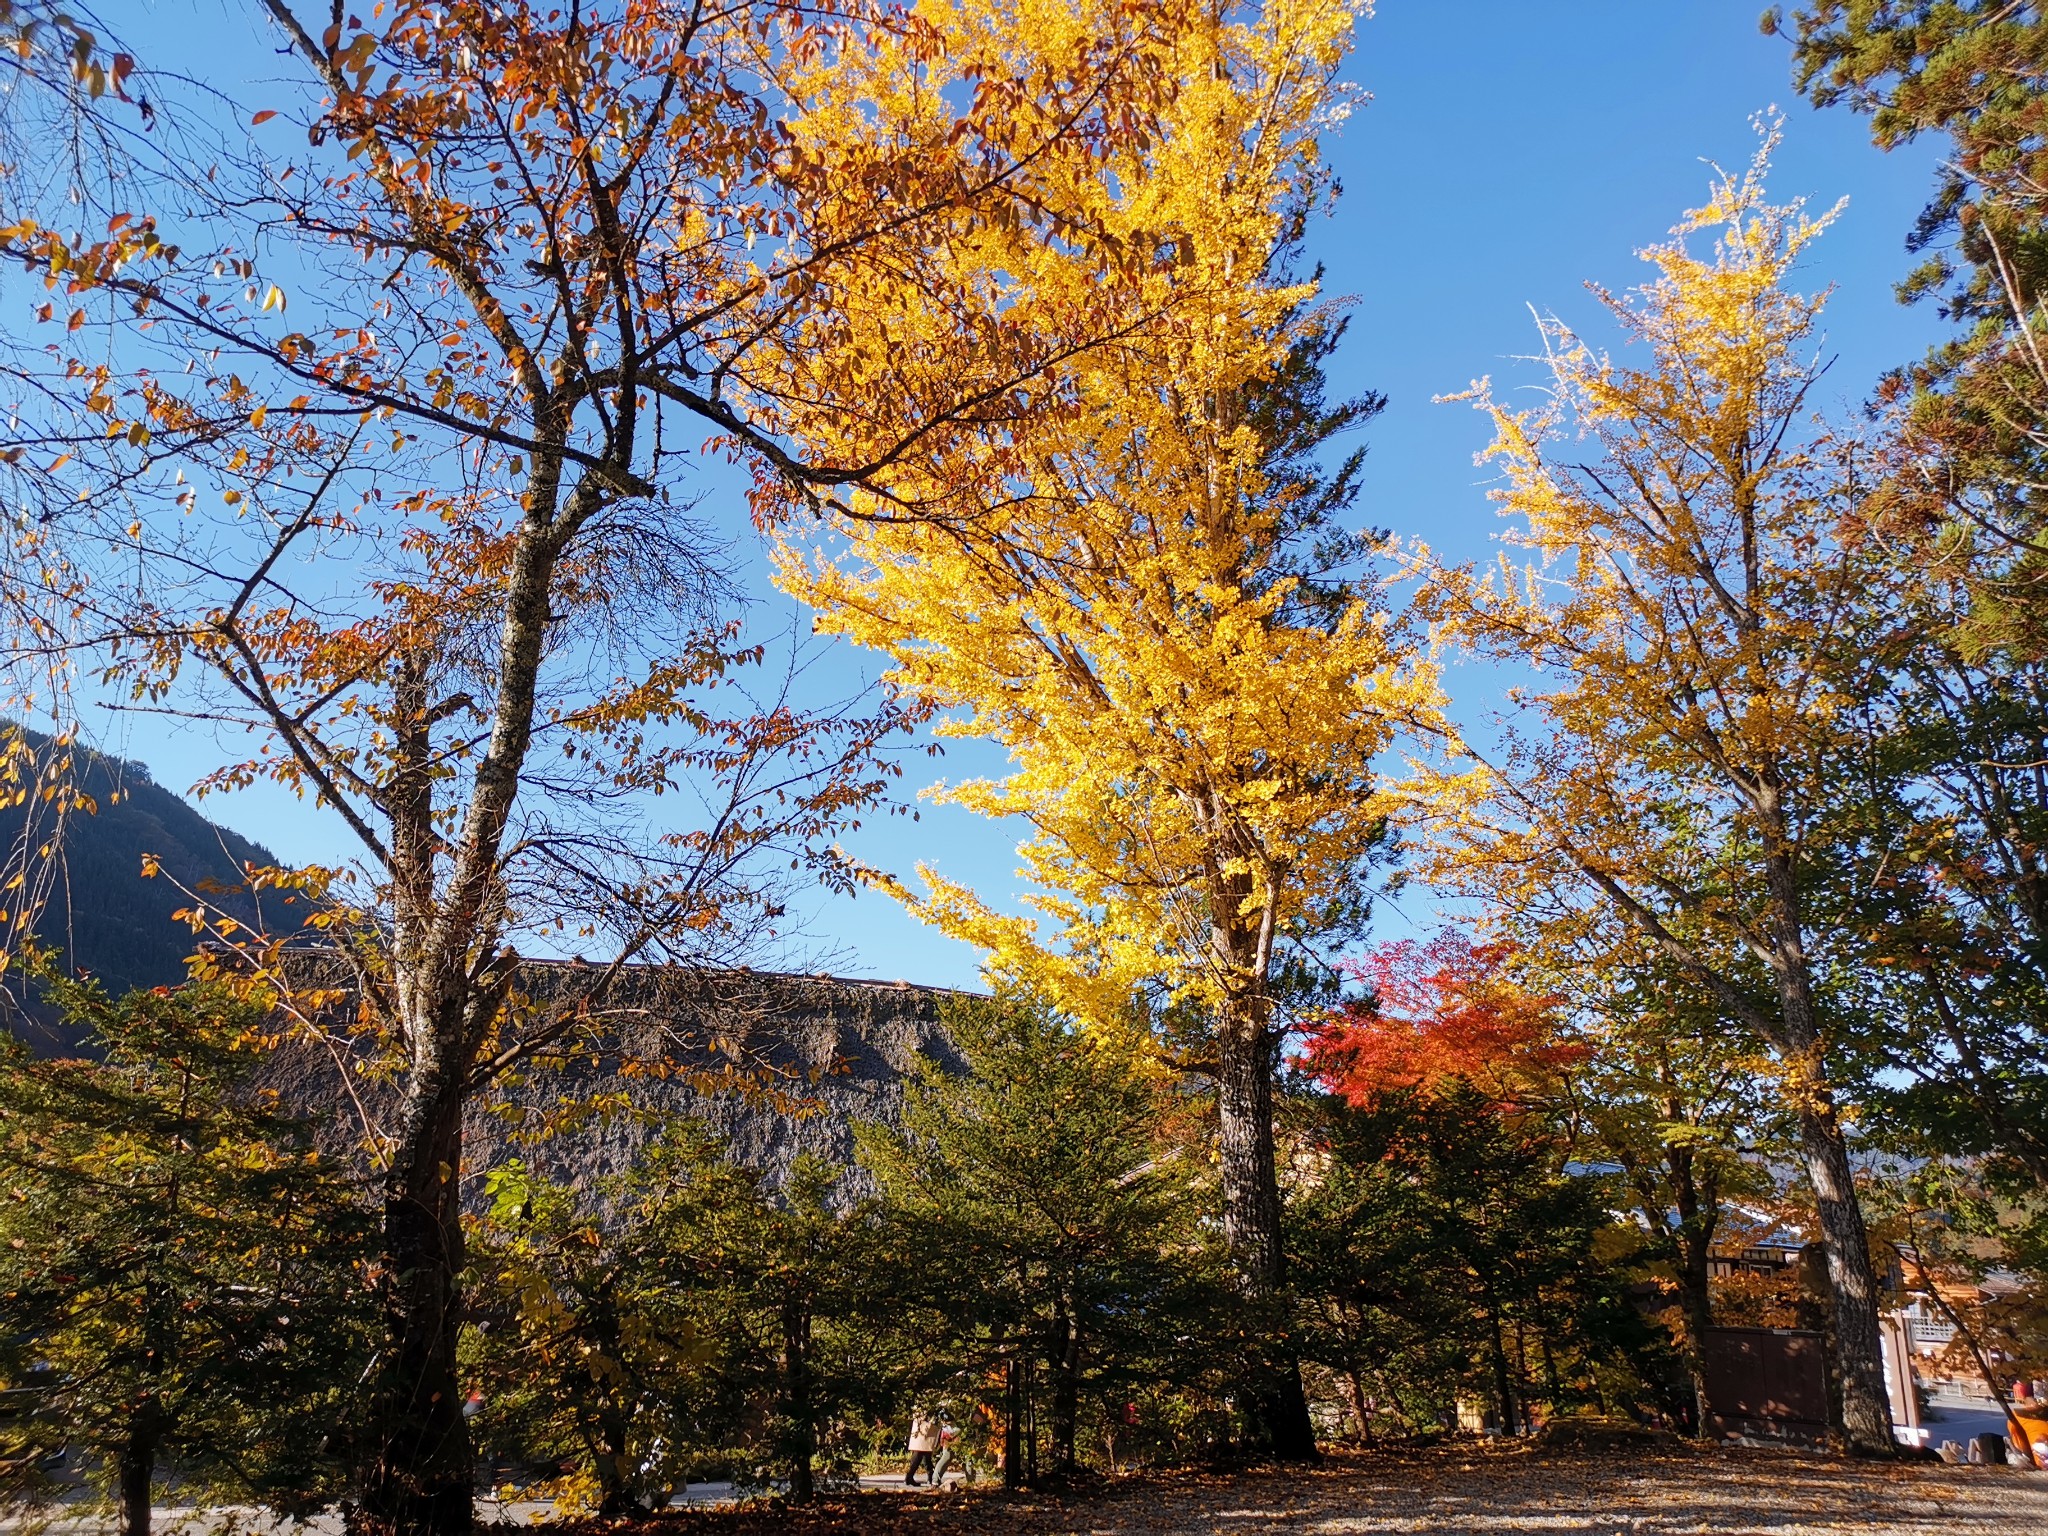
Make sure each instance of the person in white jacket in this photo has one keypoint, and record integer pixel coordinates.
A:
(924, 1444)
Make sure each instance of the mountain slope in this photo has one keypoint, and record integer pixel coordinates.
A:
(101, 915)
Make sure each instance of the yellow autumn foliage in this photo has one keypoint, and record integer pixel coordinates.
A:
(1690, 588)
(1700, 619)
(1192, 740)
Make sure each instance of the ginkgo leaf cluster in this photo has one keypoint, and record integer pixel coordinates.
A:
(1181, 718)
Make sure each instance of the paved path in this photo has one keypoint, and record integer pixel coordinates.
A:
(718, 1494)
(1961, 1419)
(1461, 1490)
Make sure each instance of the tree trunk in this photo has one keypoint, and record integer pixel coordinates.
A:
(1275, 1407)
(1696, 1307)
(1030, 1424)
(613, 1462)
(1066, 1392)
(615, 1471)
(1504, 1396)
(1694, 1240)
(1358, 1409)
(1013, 1425)
(1852, 1280)
(803, 1427)
(1866, 1412)
(1553, 1384)
(419, 1480)
(1524, 1416)
(138, 1473)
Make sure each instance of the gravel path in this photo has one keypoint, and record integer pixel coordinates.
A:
(1462, 1491)
(1453, 1490)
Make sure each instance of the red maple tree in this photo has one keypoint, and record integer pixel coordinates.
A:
(1434, 1012)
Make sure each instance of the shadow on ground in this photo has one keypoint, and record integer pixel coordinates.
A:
(1451, 1491)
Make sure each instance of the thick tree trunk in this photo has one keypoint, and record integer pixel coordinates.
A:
(1696, 1307)
(138, 1475)
(1275, 1407)
(1852, 1279)
(615, 1471)
(419, 1478)
(1866, 1411)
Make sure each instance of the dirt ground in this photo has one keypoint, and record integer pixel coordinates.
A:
(1454, 1490)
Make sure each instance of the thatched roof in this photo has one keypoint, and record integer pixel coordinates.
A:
(777, 1064)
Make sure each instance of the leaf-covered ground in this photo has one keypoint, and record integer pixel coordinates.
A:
(1453, 1490)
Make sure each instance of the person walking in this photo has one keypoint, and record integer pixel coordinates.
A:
(924, 1444)
(949, 1448)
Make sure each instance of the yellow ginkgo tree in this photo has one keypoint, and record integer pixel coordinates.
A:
(1168, 635)
(1692, 620)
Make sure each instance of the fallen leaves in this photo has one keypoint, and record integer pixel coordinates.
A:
(1447, 1491)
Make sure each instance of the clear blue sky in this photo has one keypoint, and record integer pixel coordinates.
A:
(1512, 151)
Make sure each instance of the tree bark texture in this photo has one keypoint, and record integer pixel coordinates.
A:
(1696, 1307)
(418, 1481)
(1276, 1407)
(1866, 1412)
(138, 1475)
(1359, 1411)
(448, 988)
(1503, 1389)
(1699, 1215)
(1852, 1278)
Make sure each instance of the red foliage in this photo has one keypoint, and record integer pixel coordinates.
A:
(1445, 1010)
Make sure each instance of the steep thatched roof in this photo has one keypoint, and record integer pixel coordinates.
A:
(776, 1064)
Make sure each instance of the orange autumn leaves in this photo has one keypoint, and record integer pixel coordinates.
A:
(1438, 1012)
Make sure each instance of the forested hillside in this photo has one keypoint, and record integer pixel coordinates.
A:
(104, 916)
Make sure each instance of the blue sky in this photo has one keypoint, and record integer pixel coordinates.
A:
(1512, 150)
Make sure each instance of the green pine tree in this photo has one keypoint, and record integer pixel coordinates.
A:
(793, 1285)
(1055, 1218)
(682, 1313)
(1445, 1248)
(1972, 74)
(183, 1271)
